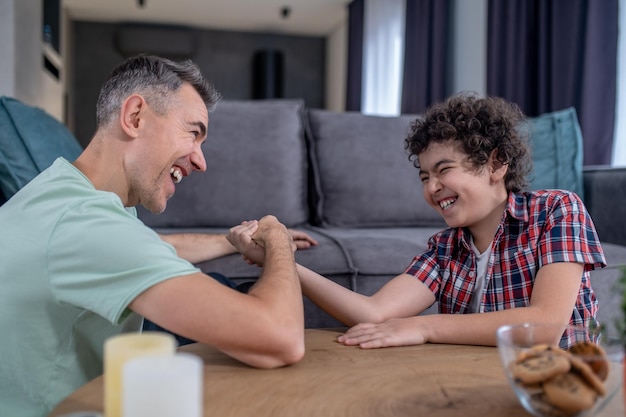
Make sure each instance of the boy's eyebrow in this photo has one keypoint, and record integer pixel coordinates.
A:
(437, 165)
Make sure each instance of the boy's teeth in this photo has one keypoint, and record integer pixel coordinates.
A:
(446, 204)
(176, 174)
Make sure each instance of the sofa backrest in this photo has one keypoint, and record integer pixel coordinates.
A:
(362, 174)
(256, 165)
(350, 170)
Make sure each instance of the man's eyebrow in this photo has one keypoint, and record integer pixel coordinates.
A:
(200, 126)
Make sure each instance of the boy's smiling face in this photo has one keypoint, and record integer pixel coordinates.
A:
(464, 195)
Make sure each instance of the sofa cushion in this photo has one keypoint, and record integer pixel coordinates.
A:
(386, 251)
(256, 165)
(557, 147)
(363, 177)
(30, 140)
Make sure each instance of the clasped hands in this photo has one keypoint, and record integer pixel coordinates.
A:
(250, 237)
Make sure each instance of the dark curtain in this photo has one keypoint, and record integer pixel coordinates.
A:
(425, 54)
(547, 55)
(356, 16)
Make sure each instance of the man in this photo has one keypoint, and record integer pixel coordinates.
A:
(77, 266)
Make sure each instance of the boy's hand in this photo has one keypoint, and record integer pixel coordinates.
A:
(393, 332)
(302, 239)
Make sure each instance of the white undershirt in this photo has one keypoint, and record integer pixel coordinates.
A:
(482, 261)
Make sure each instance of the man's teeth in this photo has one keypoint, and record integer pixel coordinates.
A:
(176, 175)
(447, 203)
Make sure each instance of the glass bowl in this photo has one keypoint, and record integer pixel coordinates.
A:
(545, 385)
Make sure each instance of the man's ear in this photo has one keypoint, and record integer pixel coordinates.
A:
(497, 169)
(132, 114)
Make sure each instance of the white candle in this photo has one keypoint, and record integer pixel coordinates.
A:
(121, 348)
(163, 386)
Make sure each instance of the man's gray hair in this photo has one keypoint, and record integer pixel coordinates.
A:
(156, 79)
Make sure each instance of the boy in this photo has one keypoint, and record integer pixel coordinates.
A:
(507, 257)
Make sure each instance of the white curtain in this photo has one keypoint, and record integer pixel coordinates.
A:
(383, 54)
(619, 137)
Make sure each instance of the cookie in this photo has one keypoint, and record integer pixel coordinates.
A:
(540, 368)
(582, 368)
(569, 393)
(594, 355)
(534, 351)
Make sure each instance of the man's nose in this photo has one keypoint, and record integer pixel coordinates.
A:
(197, 160)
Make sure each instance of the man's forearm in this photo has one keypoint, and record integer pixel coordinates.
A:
(279, 284)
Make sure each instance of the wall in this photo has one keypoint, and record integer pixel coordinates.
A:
(28, 47)
(7, 48)
(21, 71)
(336, 68)
(225, 58)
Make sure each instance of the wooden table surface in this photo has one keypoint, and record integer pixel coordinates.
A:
(335, 380)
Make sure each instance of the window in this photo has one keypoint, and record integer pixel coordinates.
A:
(383, 54)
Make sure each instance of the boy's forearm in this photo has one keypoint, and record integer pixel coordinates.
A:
(340, 302)
(478, 328)
(199, 247)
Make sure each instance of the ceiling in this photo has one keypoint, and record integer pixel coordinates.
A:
(305, 17)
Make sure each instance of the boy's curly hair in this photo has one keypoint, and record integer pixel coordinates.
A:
(481, 125)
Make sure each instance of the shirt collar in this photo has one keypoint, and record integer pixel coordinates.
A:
(516, 206)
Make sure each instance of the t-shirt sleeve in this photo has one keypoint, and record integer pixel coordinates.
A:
(425, 268)
(569, 234)
(101, 257)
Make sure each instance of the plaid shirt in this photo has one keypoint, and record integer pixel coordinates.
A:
(537, 228)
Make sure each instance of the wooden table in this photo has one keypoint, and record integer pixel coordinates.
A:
(335, 380)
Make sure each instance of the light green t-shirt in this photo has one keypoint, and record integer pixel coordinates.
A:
(72, 258)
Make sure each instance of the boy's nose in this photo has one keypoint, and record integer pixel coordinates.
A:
(433, 185)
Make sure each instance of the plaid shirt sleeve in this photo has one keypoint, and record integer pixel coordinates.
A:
(568, 234)
(425, 268)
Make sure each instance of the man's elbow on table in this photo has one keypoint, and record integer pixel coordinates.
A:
(288, 357)
(288, 349)
(290, 344)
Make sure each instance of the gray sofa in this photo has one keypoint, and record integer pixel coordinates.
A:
(346, 179)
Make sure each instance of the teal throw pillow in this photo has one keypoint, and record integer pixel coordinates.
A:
(30, 140)
(557, 151)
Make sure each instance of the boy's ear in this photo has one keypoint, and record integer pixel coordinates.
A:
(132, 113)
(497, 169)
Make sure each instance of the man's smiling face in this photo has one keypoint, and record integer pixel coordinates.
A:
(171, 149)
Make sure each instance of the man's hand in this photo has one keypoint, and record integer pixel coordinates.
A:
(251, 247)
(250, 237)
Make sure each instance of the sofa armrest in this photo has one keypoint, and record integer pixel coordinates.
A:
(605, 199)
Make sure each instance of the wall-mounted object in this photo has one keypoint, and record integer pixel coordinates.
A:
(267, 74)
(51, 24)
